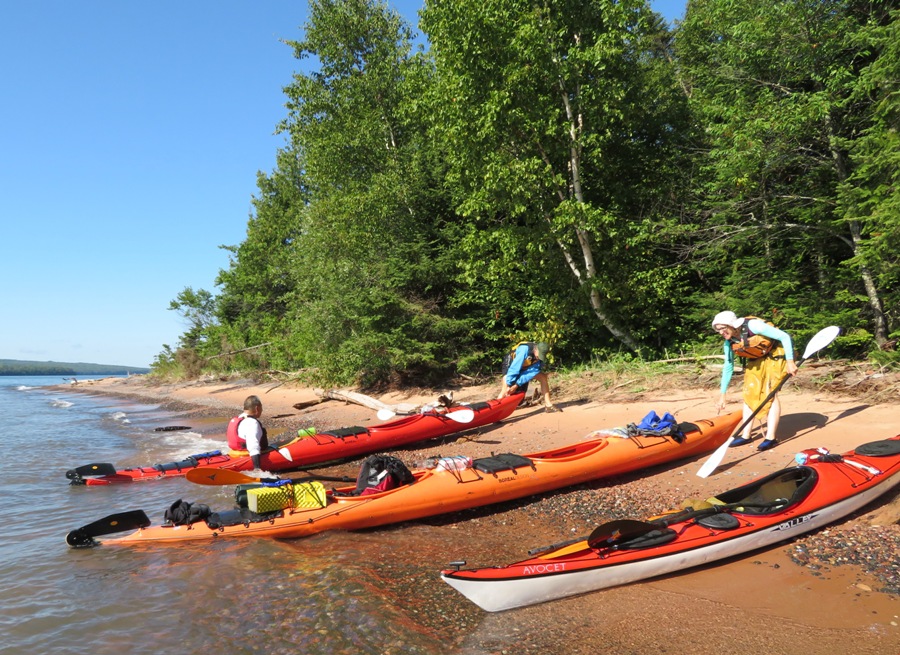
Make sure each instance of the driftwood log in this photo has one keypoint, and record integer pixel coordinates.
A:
(366, 401)
(308, 403)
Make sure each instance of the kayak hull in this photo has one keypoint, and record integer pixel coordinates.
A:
(440, 492)
(836, 489)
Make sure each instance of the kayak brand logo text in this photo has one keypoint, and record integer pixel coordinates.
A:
(800, 520)
(537, 569)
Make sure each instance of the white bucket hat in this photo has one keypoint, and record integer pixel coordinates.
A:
(727, 318)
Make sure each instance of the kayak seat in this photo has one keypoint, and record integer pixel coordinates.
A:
(499, 462)
(475, 407)
(772, 493)
(686, 427)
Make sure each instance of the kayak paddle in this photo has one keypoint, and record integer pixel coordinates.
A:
(821, 339)
(84, 536)
(219, 477)
(614, 532)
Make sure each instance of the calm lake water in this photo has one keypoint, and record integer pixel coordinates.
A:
(320, 595)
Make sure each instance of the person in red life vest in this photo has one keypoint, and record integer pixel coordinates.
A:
(246, 433)
(526, 363)
(769, 356)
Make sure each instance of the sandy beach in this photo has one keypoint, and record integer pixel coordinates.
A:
(834, 588)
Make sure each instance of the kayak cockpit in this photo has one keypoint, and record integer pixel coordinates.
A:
(772, 493)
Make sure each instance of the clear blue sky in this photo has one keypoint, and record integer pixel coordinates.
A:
(130, 138)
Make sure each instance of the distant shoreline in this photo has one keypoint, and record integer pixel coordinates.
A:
(25, 370)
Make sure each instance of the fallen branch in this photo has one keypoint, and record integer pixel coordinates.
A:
(687, 359)
(307, 403)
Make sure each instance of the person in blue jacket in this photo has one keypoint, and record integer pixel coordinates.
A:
(526, 363)
(769, 356)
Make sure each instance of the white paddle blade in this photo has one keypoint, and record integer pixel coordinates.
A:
(385, 414)
(462, 415)
(715, 459)
(822, 339)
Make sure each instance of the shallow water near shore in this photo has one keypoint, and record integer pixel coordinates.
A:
(240, 596)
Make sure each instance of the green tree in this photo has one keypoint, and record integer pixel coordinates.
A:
(870, 195)
(560, 121)
(197, 308)
(369, 282)
(772, 84)
(258, 287)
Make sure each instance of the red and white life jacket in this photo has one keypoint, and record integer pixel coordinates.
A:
(236, 441)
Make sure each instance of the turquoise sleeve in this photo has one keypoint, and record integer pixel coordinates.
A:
(727, 367)
(764, 329)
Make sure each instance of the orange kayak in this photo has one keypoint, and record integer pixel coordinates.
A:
(488, 480)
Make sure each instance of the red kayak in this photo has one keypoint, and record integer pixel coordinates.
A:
(319, 448)
(821, 489)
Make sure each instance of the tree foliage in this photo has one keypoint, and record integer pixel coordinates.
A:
(561, 120)
(775, 87)
(575, 172)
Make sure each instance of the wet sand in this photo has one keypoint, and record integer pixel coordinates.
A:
(835, 589)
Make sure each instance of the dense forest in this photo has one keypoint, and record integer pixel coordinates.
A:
(27, 367)
(576, 172)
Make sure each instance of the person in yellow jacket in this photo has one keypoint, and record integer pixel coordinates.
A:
(769, 354)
